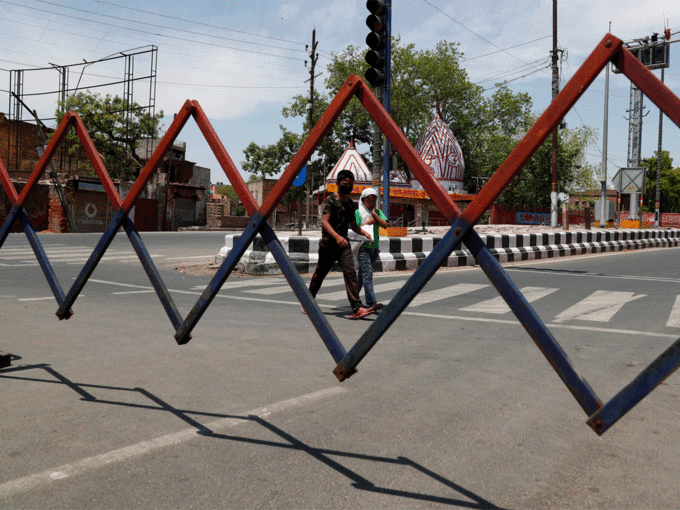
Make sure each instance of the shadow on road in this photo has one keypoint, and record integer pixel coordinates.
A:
(466, 498)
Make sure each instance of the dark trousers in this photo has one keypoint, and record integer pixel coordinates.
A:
(328, 257)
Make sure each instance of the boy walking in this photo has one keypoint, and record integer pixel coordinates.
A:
(370, 217)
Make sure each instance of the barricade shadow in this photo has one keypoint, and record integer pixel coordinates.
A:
(466, 499)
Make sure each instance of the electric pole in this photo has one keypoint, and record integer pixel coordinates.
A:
(555, 91)
(604, 210)
(659, 152)
(313, 55)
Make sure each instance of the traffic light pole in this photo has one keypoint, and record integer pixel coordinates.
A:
(388, 106)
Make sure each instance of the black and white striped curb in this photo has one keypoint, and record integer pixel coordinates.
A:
(403, 253)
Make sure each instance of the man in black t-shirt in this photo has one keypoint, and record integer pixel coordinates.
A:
(337, 218)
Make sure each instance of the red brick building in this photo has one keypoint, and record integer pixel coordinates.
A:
(175, 197)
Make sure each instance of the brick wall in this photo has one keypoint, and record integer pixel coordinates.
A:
(36, 206)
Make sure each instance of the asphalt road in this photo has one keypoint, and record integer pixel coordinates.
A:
(454, 407)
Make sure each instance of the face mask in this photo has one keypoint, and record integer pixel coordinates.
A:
(346, 190)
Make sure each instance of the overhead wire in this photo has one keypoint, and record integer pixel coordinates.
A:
(195, 22)
(514, 79)
(472, 31)
(248, 64)
(504, 49)
(521, 68)
(146, 23)
(152, 33)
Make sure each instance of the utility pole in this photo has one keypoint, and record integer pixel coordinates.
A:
(605, 131)
(313, 55)
(657, 206)
(555, 91)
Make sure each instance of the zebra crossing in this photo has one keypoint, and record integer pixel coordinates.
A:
(63, 254)
(600, 306)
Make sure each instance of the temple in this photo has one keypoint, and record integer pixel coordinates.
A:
(410, 205)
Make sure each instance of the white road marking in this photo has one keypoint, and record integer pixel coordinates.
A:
(120, 284)
(498, 305)
(333, 282)
(31, 253)
(431, 296)
(247, 282)
(133, 292)
(674, 317)
(600, 306)
(75, 468)
(36, 299)
(342, 294)
(194, 257)
(549, 325)
(562, 274)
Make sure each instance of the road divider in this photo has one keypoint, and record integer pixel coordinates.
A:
(406, 253)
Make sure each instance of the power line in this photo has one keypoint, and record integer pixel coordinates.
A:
(196, 22)
(146, 23)
(174, 64)
(509, 48)
(247, 64)
(152, 33)
(518, 78)
(472, 31)
(515, 70)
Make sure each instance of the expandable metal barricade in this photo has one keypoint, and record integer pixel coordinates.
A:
(601, 416)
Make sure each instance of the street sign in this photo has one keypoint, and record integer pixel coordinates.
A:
(630, 180)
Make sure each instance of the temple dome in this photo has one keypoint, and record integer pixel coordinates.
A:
(351, 160)
(440, 151)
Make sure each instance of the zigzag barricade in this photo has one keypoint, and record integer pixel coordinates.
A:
(601, 417)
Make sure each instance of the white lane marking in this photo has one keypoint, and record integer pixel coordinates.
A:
(190, 293)
(674, 317)
(248, 282)
(126, 258)
(133, 292)
(120, 284)
(136, 450)
(592, 275)
(36, 298)
(431, 296)
(280, 290)
(549, 325)
(31, 253)
(342, 294)
(600, 306)
(34, 263)
(498, 305)
(194, 257)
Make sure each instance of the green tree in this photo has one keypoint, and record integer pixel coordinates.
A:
(487, 125)
(670, 183)
(227, 190)
(264, 161)
(115, 135)
(533, 185)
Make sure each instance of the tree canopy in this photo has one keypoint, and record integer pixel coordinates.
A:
(115, 135)
(670, 183)
(487, 124)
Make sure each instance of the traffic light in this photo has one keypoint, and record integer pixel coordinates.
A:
(376, 40)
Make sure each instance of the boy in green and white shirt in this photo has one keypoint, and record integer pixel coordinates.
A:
(366, 215)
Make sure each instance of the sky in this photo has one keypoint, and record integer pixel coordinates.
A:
(243, 61)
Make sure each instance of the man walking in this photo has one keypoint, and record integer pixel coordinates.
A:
(337, 218)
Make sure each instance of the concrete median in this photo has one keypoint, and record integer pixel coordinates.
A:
(407, 253)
